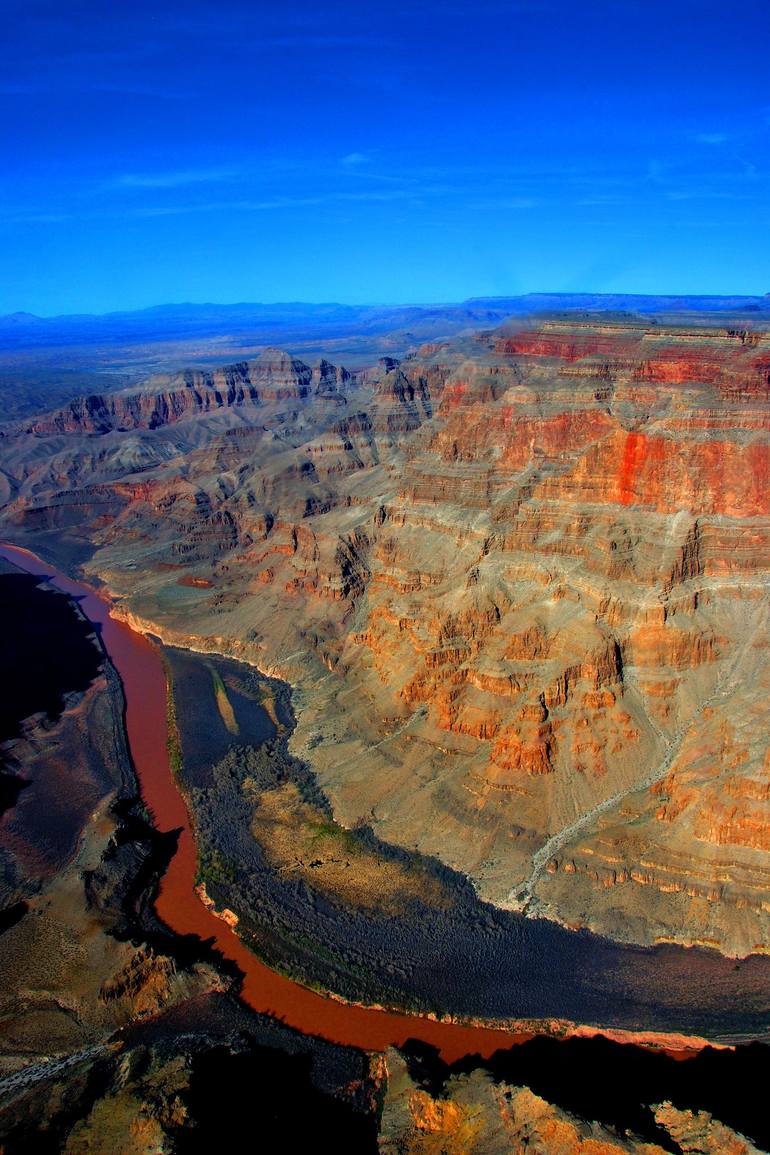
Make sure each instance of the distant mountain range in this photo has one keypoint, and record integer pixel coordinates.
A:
(331, 319)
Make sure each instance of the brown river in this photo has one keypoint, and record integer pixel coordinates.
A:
(139, 664)
(653, 993)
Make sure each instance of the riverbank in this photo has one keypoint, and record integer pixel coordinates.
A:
(516, 970)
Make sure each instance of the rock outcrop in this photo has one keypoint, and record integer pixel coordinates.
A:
(477, 1115)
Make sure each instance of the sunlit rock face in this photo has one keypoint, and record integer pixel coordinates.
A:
(474, 1114)
(520, 582)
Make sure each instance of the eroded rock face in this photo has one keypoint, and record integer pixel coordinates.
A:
(167, 398)
(475, 1113)
(520, 582)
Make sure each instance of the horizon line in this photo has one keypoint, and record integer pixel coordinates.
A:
(427, 304)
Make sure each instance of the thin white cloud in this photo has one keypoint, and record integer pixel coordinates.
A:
(16, 215)
(71, 85)
(353, 159)
(226, 206)
(315, 40)
(506, 202)
(171, 178)
(270, 204)
(600, 200)
(712, 137)
(704, 194)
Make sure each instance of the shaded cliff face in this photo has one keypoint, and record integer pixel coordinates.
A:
(274, 376)
(473, 1111)
(520, 581)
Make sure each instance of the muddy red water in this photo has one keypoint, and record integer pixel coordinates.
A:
(139, 664)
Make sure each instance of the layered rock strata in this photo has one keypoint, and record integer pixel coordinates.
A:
(520, 583)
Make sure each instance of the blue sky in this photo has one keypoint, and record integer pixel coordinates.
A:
(380, 152)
